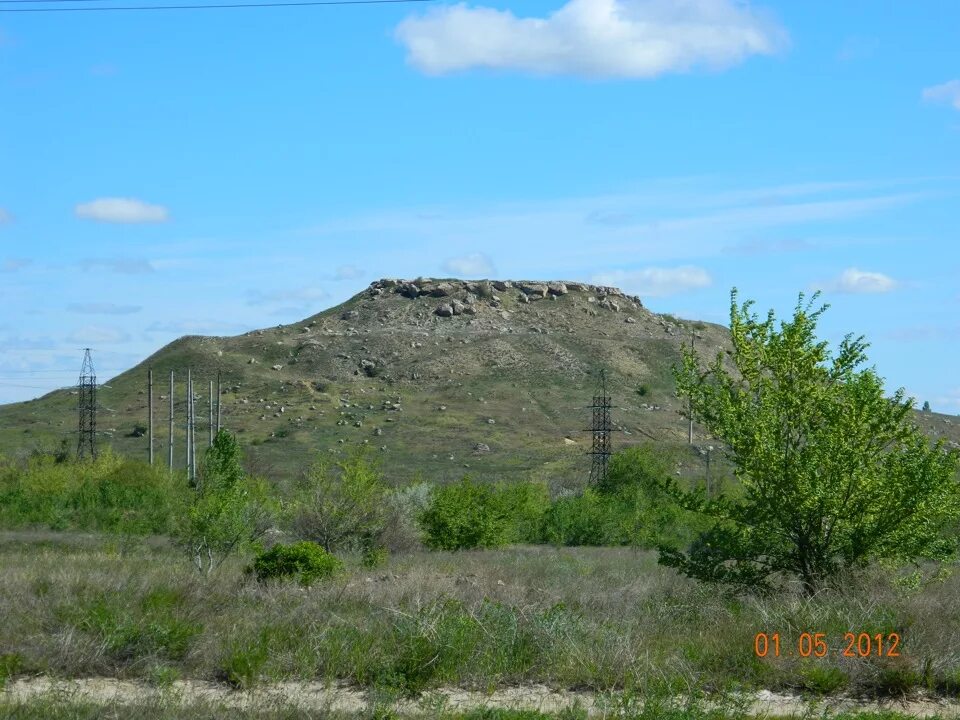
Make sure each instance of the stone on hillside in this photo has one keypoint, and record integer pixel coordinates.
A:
(349, 315)
(470, 310)
(557, 289)
(502, 285)
(523, 298)
(630, 320)
(252, 361)
(576, 287)
(276, 367)
(457, 307)
(491, 421)
(480, 448)
(534, 290)
(444, 310)
(408, 290)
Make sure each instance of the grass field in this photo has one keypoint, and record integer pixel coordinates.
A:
(570, 618)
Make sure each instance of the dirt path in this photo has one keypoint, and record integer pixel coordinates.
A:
(319, 696)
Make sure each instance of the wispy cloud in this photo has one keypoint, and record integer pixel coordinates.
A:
(94, 334)
(656, 281)
(124, 266)
(948, 92)
(196, 327)
(592, 38)
(925, 333)
(666, 221)
(121, 210)
(856, 47)
(856, 281)
(769, 247)
(14, 264)
(474, 265)
(103, 308)
(301, 296)
(347, 272)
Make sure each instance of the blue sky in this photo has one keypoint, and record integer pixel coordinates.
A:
(214, 171)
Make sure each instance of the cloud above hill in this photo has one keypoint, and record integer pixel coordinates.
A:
(656, 281)
(948, 92)
(474, 265)
(638, 39)
(856, 281)
(121, 210)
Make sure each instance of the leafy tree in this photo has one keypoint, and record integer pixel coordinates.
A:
(343, 504)
(834, 474)
(227, 511)
(926, 406)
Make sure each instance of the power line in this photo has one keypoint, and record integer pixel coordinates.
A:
(194, 7)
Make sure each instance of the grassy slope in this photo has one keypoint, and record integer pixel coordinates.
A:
(527, 366)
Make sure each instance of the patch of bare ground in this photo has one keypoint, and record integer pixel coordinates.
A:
(345, 700)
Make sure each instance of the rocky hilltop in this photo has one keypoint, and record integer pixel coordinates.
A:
(439, 377)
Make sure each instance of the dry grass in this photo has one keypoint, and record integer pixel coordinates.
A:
(596, 618)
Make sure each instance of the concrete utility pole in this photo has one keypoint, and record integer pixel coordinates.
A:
(150, 411)
(189, 420)
(170, 445)
(193, 435)
(690, 402)
(210, 425)
(219, 396)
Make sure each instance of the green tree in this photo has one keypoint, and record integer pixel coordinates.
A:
(926, 406)
(228, 510)
(344, 504)
(834, 473)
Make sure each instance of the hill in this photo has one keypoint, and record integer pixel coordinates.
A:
(440, 377)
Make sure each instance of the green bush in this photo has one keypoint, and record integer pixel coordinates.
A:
(304, 560)
(586, 519)
(465, 515)
(110, 494)
(525, 504)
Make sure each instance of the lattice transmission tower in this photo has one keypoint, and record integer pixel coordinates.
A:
(601, 432)
(87, 409)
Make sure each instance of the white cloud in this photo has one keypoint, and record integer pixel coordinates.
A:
(347, 272)
(95, 334)
(592, 38)
(5, 216)
(473, 265)
(103, 308)
(655, 281)
(948, 92)
(857, 281)
(122, 210)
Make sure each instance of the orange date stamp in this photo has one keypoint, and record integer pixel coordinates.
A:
(814, 644)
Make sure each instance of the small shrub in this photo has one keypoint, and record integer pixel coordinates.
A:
(465, 515)
(642, 390)
(896, 680)
(244, 660)
(10, 665)
(823, 680)
(303, 560)
(374, 557)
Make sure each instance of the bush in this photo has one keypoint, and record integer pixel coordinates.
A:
(341, 506)
(304, 560)
(585, 519)
(465, 515)
(110, 494)
(525, 504)
(404, 505)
